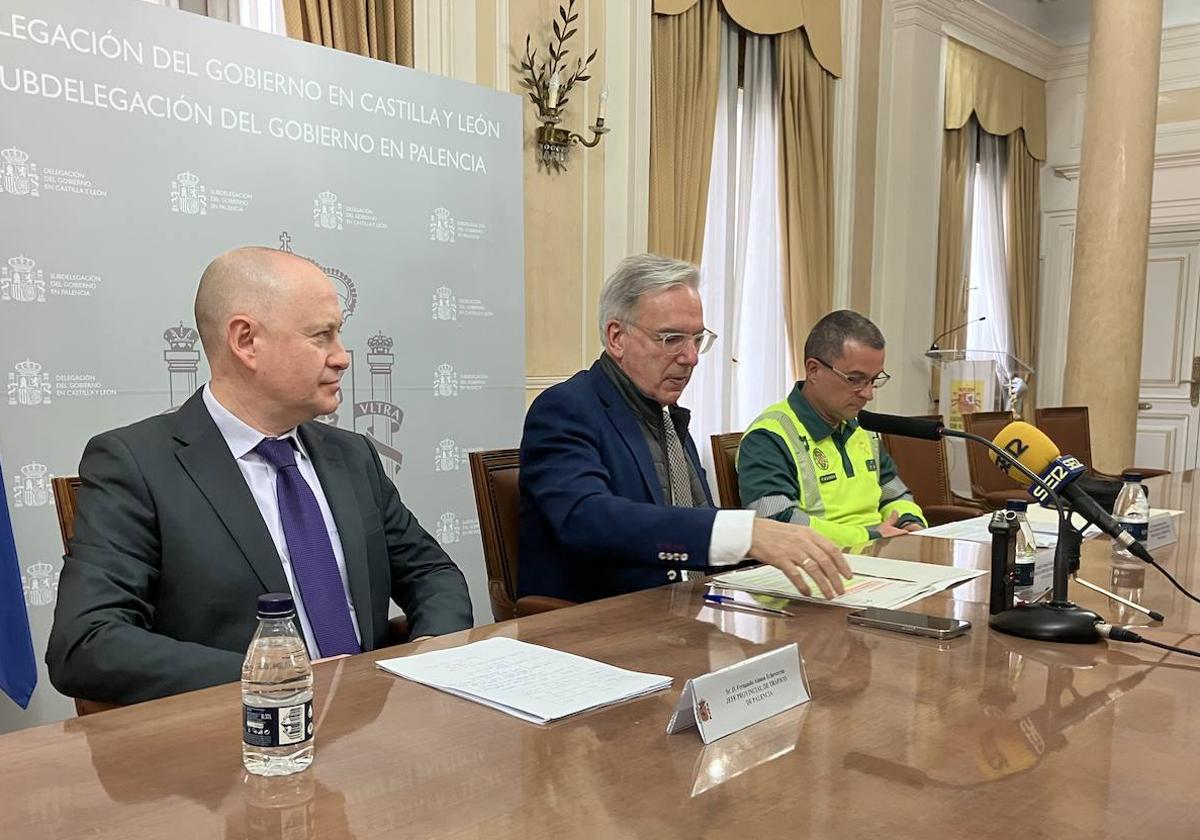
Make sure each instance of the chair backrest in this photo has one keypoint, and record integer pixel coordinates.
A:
(985, 478)
(494, 474)
(922, 465)
(1069, 428)
(724, 451)
(64, 500)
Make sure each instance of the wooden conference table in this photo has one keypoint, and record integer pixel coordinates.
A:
(985, 736)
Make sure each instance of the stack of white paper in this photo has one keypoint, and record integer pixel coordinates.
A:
(1044, 522)
(976, 530)
(534, 683)
(876, 582)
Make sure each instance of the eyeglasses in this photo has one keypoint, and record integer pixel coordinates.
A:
(856, 380)
(674, 343)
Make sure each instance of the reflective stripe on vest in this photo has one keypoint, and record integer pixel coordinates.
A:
(814, 505)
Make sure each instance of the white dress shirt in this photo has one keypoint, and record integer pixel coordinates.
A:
(732, 533)
(260, 477)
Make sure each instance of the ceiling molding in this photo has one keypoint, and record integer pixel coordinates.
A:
(982, 27)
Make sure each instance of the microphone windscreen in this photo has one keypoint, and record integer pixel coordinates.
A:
(894, 424)
(1027, 444)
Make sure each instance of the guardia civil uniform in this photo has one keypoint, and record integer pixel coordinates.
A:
(794, 467)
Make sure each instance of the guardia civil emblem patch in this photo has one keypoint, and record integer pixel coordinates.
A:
(820, 460)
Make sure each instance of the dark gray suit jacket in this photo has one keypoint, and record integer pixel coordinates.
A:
(170, 552)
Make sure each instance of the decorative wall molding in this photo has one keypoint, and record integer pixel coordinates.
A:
(1176, 160)
(1058, 256)
(444, 38)
(504, 51)
(541, 383)
(984, 28)
(1179, 43)
(845, 144)
(1054, 304)
(627, 148)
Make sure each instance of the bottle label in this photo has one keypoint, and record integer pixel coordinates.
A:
(277, 726)
(1138, 530)
(1023, 575)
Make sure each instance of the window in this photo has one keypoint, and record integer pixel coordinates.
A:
(741, 273)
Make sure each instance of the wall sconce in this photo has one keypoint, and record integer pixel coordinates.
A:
(550, 92)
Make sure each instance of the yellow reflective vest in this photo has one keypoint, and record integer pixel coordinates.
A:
(842, 494)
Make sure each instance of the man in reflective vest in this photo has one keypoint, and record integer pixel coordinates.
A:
(806, 460)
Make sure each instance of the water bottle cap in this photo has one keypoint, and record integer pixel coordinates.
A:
(276, 605)
(1019, 505)
(1131, 475)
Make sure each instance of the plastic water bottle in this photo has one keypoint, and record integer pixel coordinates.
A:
(1132, 512)
(277, 691)
(1026, 543)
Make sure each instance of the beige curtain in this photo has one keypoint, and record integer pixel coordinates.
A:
(1003, 98)
(806, 188)
(1022, 211)
(950, 297)
(381, 29)
(821, 19)
(685, 63)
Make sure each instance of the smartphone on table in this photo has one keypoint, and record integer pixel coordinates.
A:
(915, 624)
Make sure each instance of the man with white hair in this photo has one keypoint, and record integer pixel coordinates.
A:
(613, 497)
(184, 519)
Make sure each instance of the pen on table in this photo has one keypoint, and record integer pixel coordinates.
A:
(725, 600)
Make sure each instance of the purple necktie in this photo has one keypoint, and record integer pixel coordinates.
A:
(314, 566)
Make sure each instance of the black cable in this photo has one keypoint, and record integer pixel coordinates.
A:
(1171, 648)
(1124, 634)
(1174, 582)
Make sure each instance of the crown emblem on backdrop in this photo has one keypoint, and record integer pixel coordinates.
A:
(327, 197)
(28, 368)
(444, 291)
(14, 156)
(39, 570)
(35, 470)
(445, 369)
(188, 179)
(380, 343)
(181, 337)
(21, 264)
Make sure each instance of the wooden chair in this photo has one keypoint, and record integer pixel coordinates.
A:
(990, 486)
(64, 501)
(923, 466)
(1070, 429)
(724, 451)
(494, 475)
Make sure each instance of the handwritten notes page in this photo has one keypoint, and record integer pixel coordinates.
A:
(534, 683)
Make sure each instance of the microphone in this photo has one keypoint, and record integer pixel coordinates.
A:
(952, 330)
(1028, 446)
(1057, 621)
(922, 429)
(893, 424)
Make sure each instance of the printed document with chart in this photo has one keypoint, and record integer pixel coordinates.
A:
(876, 582)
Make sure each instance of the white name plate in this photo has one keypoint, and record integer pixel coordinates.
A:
(1161, 531)
(733, 698)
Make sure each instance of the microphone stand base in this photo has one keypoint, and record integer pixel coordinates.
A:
(1057, 621)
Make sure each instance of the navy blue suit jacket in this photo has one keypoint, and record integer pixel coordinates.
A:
(594, 522)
